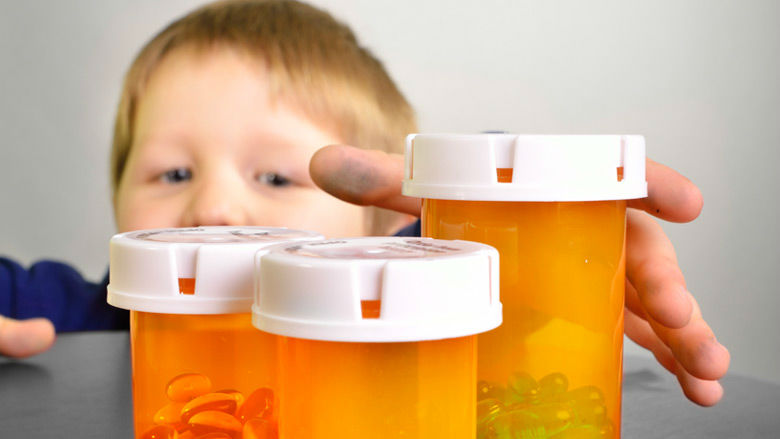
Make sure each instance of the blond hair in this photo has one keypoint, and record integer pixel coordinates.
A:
(314, 62)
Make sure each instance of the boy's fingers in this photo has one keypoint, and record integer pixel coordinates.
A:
(638, 330)
(651, 267)
(670, 196)
(695, 346)
(703, 392)
(633, 303)
(368, 177)
(363, 177)
(24, 338)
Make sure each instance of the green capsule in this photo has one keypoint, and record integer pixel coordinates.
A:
(607, 430)
(519, 424)
(552, 416)
(533, 433)
(588, 411)
(580, 432)
(522, 388)
(552, 385)
(487, 410)
(487, 390)
(584, 393)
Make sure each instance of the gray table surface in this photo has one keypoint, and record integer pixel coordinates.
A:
(81, 388)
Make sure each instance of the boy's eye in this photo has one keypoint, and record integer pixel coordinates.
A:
(177, 175)
(273, 179)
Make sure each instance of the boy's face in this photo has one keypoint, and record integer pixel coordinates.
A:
(209, 148)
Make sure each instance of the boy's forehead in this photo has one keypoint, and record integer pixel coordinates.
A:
(192, 72)
(218, 88)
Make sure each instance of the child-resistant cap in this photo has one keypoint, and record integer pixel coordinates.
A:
(388, 289)
(533, 167)
(201, 270)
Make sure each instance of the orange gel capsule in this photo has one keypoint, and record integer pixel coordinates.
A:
(211, 401)
(169, 414)
(260, 404)
(214, 421)
(257, 428)
(238, 396)
(215, 436)
(187, 386)
(160, 432)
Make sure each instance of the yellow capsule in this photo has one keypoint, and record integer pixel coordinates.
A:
(214, 421)
(210, 401)
(160, 432)
(238, 396)
(257, 428)
(169, 414)
(187, 386)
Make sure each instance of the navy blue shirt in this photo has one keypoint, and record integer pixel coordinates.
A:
(58, 292)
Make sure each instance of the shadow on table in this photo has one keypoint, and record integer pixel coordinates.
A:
(19, 375)
(644, 380)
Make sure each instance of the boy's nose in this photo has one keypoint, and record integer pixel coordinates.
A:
(211, 207)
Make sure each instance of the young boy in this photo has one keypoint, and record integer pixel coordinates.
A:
(219, 121)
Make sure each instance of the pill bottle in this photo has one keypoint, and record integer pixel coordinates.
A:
(555, 208)
(190, 292)
(378, 335)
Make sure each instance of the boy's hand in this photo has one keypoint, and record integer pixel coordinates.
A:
(661, 315)
(24, 338)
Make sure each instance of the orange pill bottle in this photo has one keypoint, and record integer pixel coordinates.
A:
(198, 365)
(378, 335)
(555, 208)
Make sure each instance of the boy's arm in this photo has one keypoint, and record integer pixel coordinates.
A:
(661, 315)
(46, 297)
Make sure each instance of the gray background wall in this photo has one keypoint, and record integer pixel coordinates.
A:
(698, 78)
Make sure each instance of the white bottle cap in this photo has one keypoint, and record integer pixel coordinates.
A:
(544, 167)
(423, 289)
(147, 267)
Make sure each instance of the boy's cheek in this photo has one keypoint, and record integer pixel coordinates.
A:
(321, 213)
(135, 213)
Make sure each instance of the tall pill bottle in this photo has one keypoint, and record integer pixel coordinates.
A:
(199, 367)
(555, 208)
(378, 335)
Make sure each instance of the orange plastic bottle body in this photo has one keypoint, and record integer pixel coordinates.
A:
(182, 363)
(554, 366)
(410, 390)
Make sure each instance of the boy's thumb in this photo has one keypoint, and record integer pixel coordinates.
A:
(24, 338)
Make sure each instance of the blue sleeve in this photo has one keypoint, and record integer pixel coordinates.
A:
(58, 292)
(410, 230)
